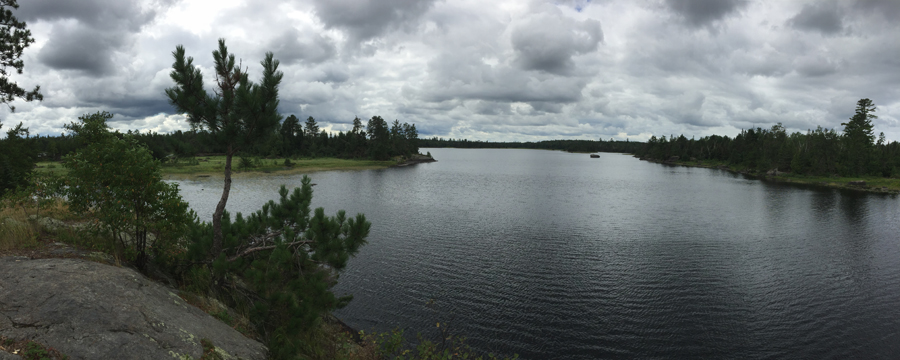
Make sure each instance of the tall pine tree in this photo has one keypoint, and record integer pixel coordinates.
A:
(859, 137)
(238, 114)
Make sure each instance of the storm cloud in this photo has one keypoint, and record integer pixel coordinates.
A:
(822, 17)
(698, 13)
(506, 70)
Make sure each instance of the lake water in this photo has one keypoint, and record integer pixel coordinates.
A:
(555, 255)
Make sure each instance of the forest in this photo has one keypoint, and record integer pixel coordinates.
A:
(375, 140)
(821, 152)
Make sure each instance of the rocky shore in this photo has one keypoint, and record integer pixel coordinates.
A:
(89, 310)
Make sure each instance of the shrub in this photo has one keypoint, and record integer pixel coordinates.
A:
(119, 182)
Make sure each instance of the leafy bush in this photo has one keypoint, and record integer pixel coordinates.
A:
(119, 182)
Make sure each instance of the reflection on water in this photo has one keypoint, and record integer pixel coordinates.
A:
(556, 255)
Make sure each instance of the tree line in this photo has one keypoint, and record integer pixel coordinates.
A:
(376, 139)
(821, 152)
(616, 146)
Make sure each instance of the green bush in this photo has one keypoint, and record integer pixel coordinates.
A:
(118, 182)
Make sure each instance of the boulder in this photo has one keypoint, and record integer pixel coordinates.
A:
(48, 224)
(89, 310)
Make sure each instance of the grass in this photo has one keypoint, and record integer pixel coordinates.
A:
(19, 234)
(50, 167)
(16, 232)
(214, 165)
(873, 183)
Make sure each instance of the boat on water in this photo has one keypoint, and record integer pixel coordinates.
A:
(594, 156)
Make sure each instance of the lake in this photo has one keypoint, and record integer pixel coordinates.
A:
(556, 255)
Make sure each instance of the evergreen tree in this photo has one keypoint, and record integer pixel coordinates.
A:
(312, 135)
(238, 114)
(14, 38)
(291, 135)
(859, 137)
(289, 258)
(16, 160)
(379, 138)
(397, 138)
(412, 138)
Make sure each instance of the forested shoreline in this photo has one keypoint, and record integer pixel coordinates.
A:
(820, 152)
(615, 146)
(375, 139)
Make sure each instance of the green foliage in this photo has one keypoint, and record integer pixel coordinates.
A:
(288, 257)
(16, 159)
(14, 39)
(859, 138)
(35, 351)
(238, 114)
(118, 182)
(291, 136)
(246, 163)
(379, 138)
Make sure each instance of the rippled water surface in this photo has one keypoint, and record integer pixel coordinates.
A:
(555, 255)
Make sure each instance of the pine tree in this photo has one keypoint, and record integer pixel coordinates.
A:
(312, 135)
(16, 160)
(238, 114)
(291, 135)
(859, 137)
(290, 258)
(379, 138)
(14, 38)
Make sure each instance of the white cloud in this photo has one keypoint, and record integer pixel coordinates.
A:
(498, 70)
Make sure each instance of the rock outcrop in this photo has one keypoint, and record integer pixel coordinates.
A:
(89, 310)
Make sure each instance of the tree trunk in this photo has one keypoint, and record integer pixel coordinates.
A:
(220, 208)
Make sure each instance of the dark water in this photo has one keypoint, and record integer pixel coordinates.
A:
(556, 255)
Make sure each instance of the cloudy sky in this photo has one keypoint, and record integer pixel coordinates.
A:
(487, 70)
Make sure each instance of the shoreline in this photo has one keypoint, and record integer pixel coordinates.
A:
(860, 184)
(212, 166)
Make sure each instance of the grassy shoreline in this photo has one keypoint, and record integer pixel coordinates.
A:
(214, 165)
(872, 184)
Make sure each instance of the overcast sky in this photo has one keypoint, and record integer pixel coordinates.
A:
(482, 70)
